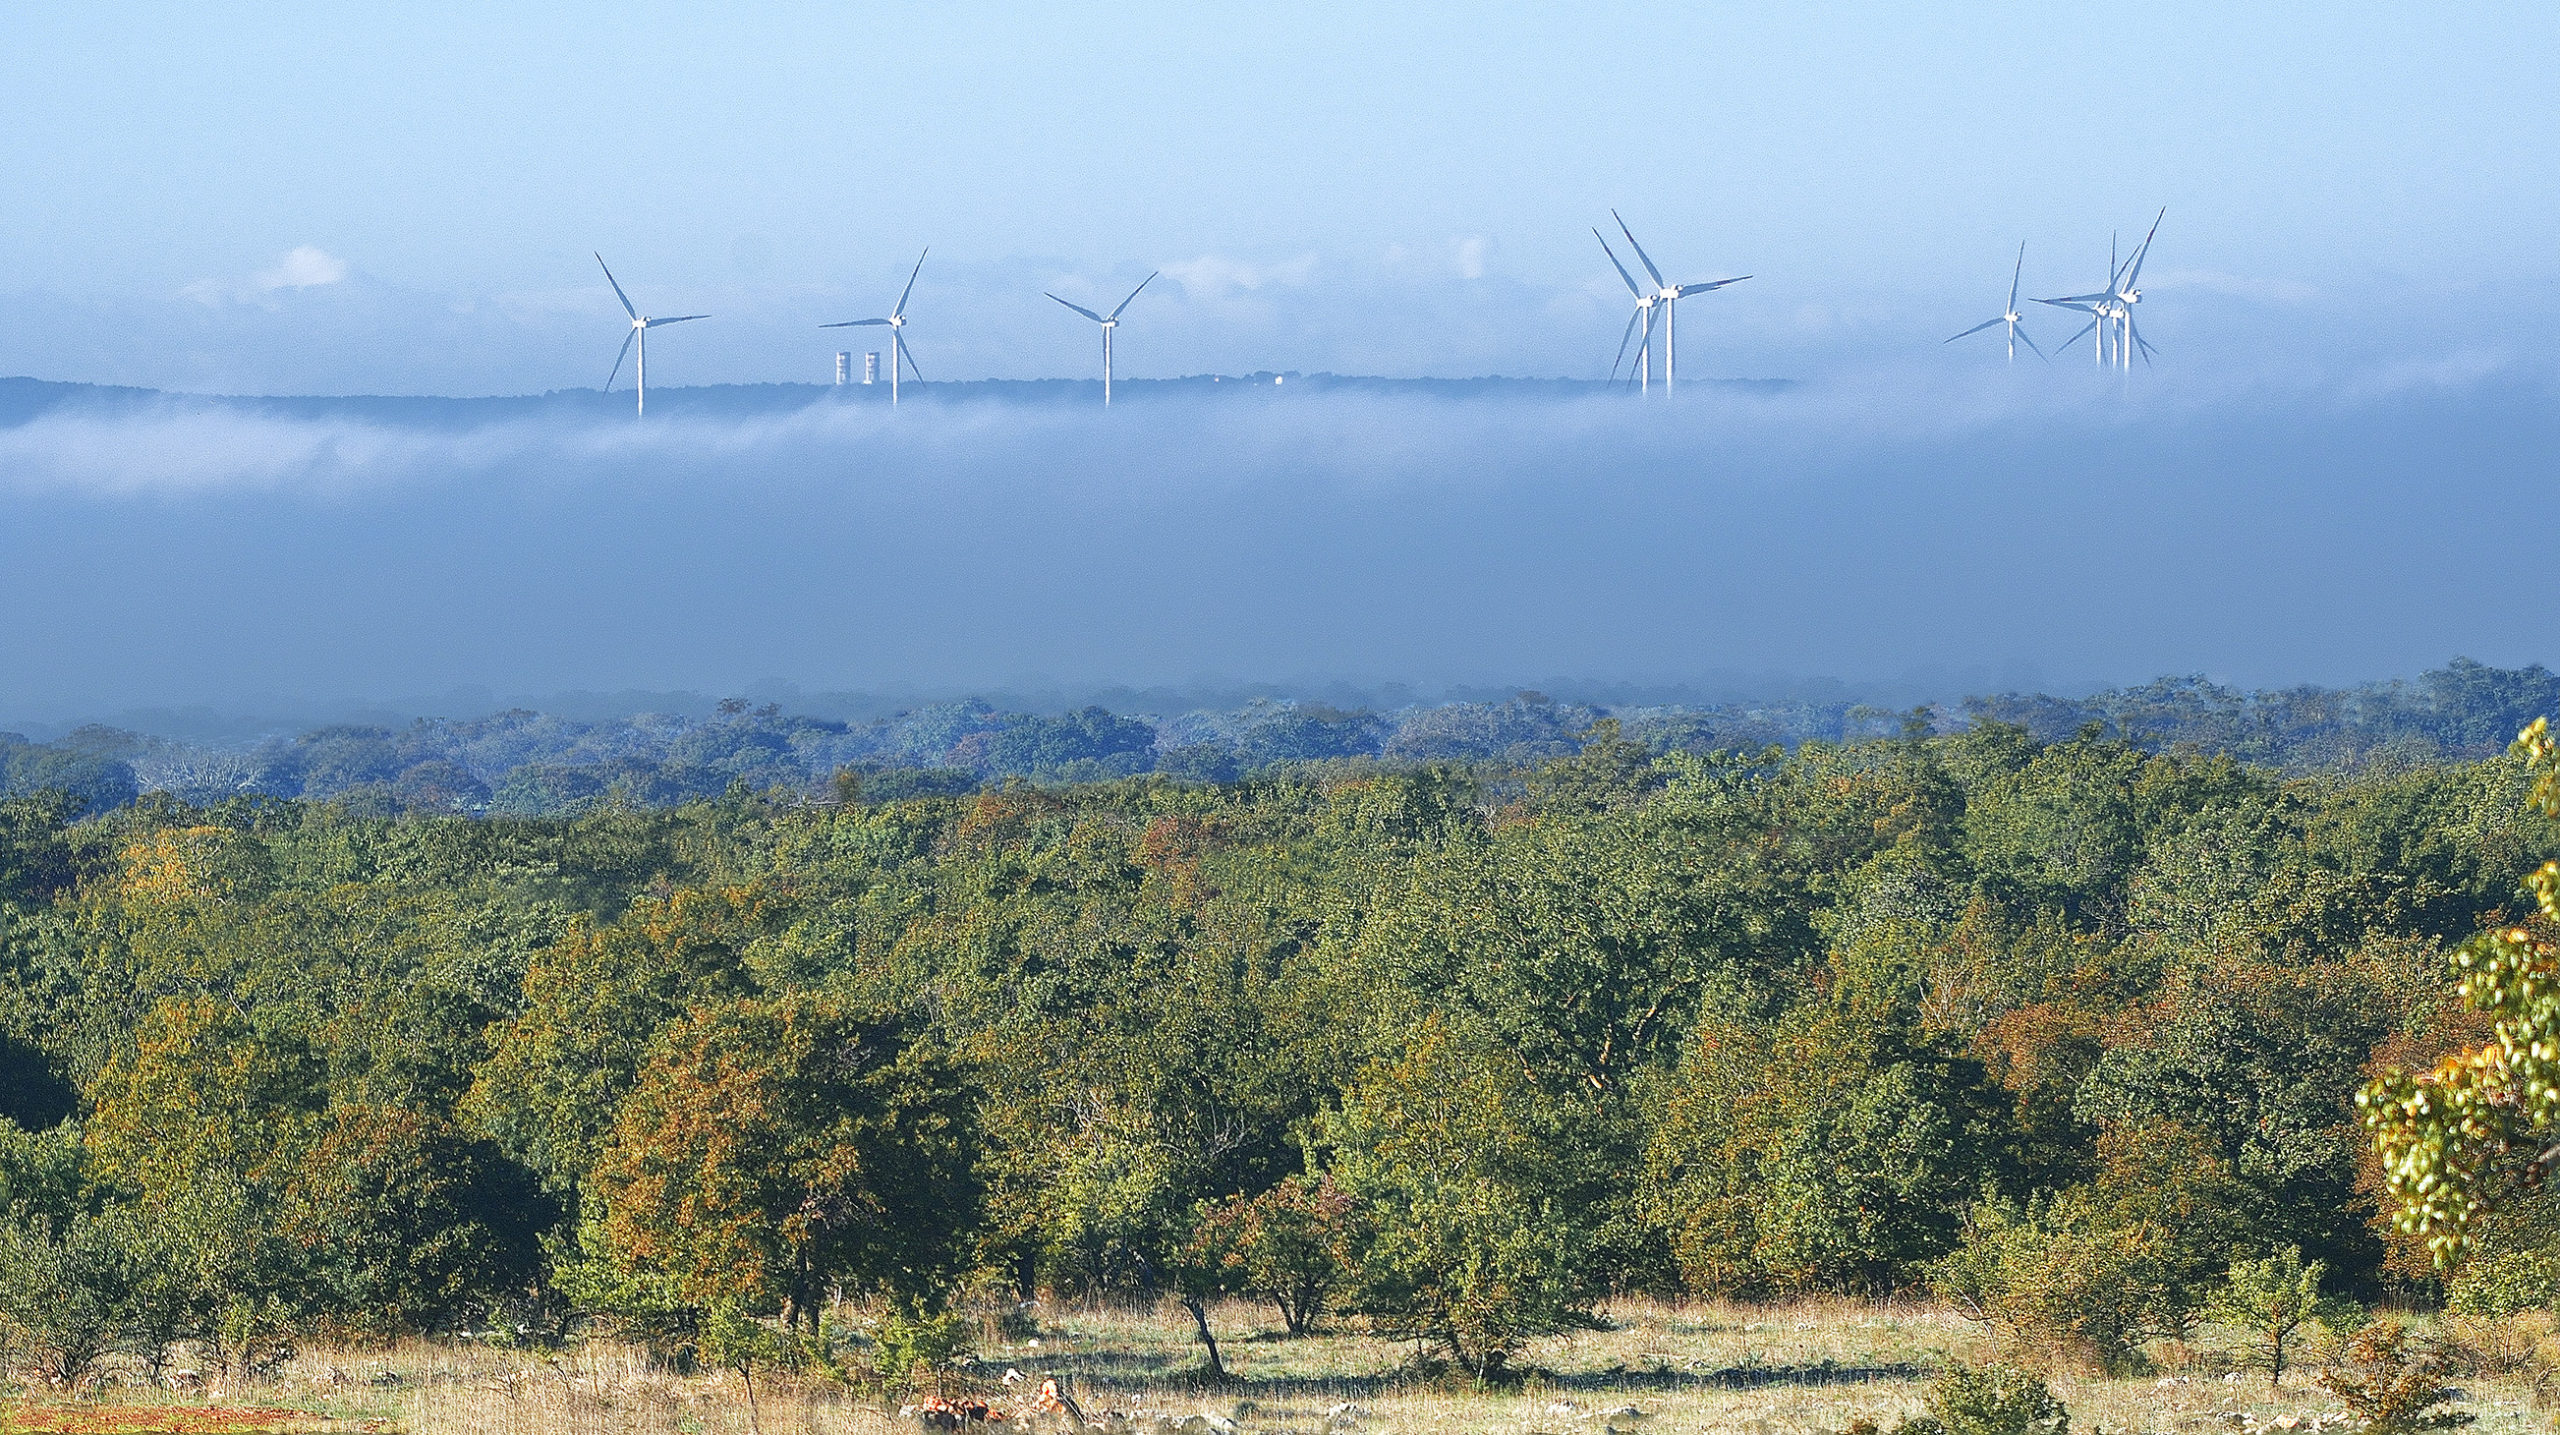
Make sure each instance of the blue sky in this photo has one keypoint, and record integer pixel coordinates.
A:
(368, 198)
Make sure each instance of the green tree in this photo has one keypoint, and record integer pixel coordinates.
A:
(1289, 1245)
(2275, 1303)
(775, 1148)
(1453, 1157)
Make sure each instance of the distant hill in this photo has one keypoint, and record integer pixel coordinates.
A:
(23, 400)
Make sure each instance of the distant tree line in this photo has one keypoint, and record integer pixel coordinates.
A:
(527, 764)
(2065, 1031)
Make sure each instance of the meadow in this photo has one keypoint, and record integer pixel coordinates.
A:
(1808, 1367)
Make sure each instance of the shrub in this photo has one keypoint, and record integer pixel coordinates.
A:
(2500, 1283)
(2393, 1386)
(1989, 1400)
(2059, 1288)
(913, 1339)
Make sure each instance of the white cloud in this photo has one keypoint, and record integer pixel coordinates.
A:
(305, 266)
(1215, 276)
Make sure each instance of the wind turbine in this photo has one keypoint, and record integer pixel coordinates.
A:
(2009, 315)
(2100, 306)
(1668, 296)
(897, 322)
(1107, 326)
(1645, 301)
(640, 325)
(2129, 293)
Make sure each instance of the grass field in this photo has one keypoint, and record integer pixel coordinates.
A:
(1788, 1370)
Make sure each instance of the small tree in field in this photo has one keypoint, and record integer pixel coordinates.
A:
(1454, 1158)
(2275, 1303)
(1289, 1246)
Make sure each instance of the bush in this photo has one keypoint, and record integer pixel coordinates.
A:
(1989, 1400)
(1454, 1158)
(2501, 1283)
(2060, 1289)
(912, 1340)
(2392, 1385)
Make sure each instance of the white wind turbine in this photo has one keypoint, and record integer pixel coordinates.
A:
(1643, 372)
(640, 326)
(1668, 296)
(1107, 326)
(2100, 306)
(2009, 315)
(897, 322)
(2128, 292)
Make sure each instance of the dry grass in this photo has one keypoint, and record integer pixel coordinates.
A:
(1789, 1370)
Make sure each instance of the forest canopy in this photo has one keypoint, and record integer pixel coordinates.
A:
(1455, 1049)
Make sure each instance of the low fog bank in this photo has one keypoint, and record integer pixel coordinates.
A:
(1911, 540)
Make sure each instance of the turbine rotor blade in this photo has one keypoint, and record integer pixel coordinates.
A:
(1623, 340)
(1685, 290)
(1976, 329)
(2140, 254)
(617, 288)
(910, 358)
(1639, 249)
(2074, 339)
(1632, 286)
(2030, 343)
(1133, 294)
(901, 310)
(678, 319)
(2016, 274)
(618, 358)
(1079, 308)
(853, 323)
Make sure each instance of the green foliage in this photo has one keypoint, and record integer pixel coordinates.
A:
(776, 1149)
(1989, 1400)
(1290, 1245)
(2443, 1134)
(1451, 1152)
(2275, 1304)
(2061, 1284)
(1454, 1050)
(2504, 1282)
(1840, 1151)
(914, 1339)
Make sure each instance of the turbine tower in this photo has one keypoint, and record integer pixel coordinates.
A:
(1107, 326)
(897, 322)
(2009, 315)
(640, 326)
(1642, 374)
(1668, 296)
